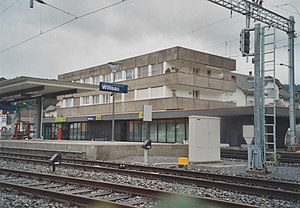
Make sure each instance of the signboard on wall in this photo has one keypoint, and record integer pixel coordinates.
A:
(60, 119)
(113, 87)
(94, 118)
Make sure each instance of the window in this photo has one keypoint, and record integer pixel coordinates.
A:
(157, 92)
(142, 94)
(209, 72)
(196, 71)
(85, 100)
(157, 69)
(118, 76)
(107, 78)
(68, 102)
(161, 134)
(143, 71)
(86, 80)
(129, 74)
(196, 94)
(96, 99)
(170, 131)
(153, 131)
(137, 131)
(96, 80)
(78, 131)
(180, 130)
(106, 98)
(130, 129)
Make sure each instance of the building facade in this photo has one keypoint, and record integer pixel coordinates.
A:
(171, 80)
(244, 94)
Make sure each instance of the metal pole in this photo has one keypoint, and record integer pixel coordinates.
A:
(113, 110)
(30, 114)
(146, 156)
(39, 110)
(257, 154)
(262, 93)
(291, 34)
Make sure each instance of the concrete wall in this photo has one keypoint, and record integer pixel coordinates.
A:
(119, 150)
(153, 58)
(93, 150)
(137, 106)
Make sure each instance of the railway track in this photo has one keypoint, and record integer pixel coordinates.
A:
(252, 186)
(285, 157)
(83, 192)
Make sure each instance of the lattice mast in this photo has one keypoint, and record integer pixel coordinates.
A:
(265, 117)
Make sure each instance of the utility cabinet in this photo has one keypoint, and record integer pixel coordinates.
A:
(204, 139)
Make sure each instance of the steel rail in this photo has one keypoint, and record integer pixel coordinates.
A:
(223, 182)
(193, 174)
(286, 157)
(63, 197)
(179, 172)
(159, 194)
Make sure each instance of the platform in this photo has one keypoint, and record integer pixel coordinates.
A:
(100, 150)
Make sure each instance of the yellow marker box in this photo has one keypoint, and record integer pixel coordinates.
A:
(183, 161)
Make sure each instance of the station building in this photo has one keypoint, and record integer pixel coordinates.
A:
(175, 81)
(178, 83)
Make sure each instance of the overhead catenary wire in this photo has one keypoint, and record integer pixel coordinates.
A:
(62, 24)
(54, 7)
(3, 11)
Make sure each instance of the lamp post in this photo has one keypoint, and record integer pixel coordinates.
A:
(29, 111)
(291, 104)
(113, 66)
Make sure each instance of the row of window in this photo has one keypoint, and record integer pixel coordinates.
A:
(128, 74)
(155, 92)
(95, 99)
(162, 131)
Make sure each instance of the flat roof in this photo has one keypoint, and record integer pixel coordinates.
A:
(27, 88)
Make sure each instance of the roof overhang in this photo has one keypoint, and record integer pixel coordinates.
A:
(27, 88)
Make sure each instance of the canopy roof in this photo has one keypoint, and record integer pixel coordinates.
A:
(27, 88)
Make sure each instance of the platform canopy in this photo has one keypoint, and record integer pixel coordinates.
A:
(27, 88)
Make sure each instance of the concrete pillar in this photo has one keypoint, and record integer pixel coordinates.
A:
(149, 70)
(136, 72)
(149, 93)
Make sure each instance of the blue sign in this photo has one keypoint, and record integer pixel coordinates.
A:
(112, 87)
(13, 108)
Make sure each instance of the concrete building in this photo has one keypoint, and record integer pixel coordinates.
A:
(171, 80)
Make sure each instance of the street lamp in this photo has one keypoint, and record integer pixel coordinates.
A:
(291, 104)
(114, 66)
(29, 111)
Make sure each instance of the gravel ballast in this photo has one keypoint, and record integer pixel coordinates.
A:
(283, 172)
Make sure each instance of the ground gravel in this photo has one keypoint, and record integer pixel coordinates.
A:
(282, 172)
(13, 200)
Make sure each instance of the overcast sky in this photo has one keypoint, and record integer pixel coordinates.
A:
(126, 29)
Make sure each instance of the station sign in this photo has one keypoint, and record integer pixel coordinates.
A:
(113, 87)
(8, 108)
(94, 118)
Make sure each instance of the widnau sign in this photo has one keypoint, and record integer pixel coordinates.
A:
(112, 87)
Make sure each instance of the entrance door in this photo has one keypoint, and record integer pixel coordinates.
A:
(65, 131)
